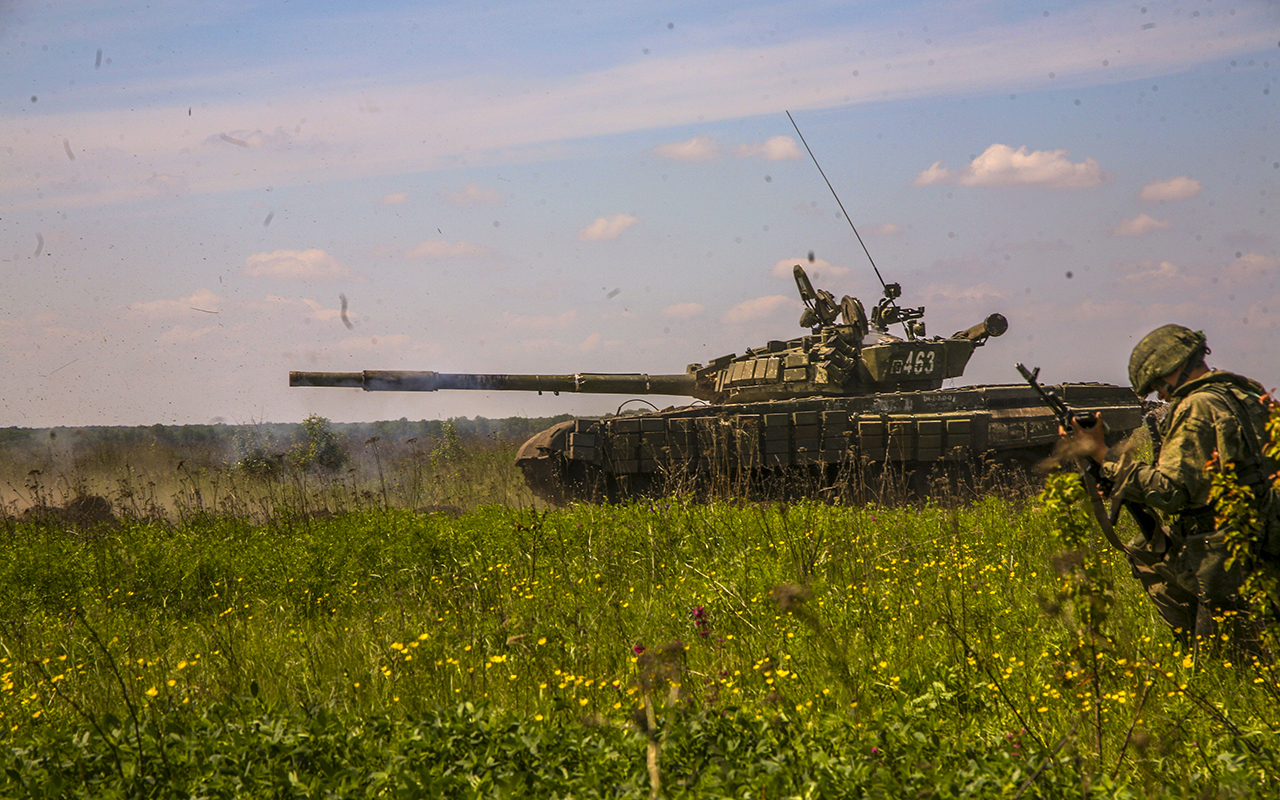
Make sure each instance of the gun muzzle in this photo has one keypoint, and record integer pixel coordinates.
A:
(994, 325)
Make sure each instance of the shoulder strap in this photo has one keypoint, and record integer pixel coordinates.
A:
(1254, 469)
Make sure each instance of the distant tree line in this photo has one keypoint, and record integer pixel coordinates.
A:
(209, 437)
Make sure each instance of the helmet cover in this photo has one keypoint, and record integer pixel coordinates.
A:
(1161, 352)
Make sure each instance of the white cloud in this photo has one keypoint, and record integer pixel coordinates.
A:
(1262, 315)
(1150, 274)
(1179, 188)
(699, 148)
(318, 310)
(185, 334)
(1129, 319)
(886, 229)
(934, 174)
(539, 347)
(816, 270)
(438, 249)
(1139, 225)
(171, 185)
(590, 343)
(11, 329)
(775, 148)
(202, 300)
(683, 310)
(1253, 264)
(473, 194)
(310, 263)
(607, 228)
(1001, 165)
(705, 148)
(496, 117)
(328, 133)
(393, 199)
(759, 309)
(280, 140)
(969, 293)
(544, 322)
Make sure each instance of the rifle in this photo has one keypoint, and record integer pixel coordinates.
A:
(1090, 470)
(1066, 414)
(1153, 430)
(1148, 521)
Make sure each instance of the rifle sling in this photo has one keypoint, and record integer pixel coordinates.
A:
(1100, 511)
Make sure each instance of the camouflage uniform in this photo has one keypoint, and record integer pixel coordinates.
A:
(1183, 567)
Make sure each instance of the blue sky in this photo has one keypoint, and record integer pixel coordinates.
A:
(187, 190)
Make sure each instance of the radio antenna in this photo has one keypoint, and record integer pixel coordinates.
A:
(837, 197)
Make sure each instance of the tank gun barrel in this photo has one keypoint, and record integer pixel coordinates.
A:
(993, 325)
(585, 383)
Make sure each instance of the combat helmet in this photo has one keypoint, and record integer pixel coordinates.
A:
(1161, 352)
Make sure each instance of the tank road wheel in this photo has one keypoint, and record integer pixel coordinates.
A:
(586, 483)
(559, 481)
(542, 474)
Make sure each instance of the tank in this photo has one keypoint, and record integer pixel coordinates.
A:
(847, 408)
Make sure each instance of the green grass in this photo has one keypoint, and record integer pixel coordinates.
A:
(919, 632)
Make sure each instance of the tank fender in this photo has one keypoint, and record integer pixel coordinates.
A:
(544, 443)
(542, 460)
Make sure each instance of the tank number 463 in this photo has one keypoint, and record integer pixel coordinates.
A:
(919, 362)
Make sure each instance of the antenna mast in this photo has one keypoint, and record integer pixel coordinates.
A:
(837, 197)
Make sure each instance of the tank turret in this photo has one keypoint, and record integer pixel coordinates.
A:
(845, 354)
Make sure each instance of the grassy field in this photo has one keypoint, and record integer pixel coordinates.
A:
(343, 634)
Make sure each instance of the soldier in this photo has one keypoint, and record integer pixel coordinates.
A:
(1211, 414)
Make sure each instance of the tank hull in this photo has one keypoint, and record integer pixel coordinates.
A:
(805, 445)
